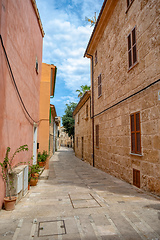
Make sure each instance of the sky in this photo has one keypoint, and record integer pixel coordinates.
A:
(67, 34)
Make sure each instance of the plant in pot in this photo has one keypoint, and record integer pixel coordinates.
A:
(33, 174)
(7, 173)
(41, 158)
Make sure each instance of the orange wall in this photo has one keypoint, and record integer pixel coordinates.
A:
(23, 42)
(44, 108)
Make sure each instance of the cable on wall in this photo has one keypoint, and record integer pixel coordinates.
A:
(14, 82)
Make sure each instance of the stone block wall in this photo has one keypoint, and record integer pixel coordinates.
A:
(83, 129)
(119, 82)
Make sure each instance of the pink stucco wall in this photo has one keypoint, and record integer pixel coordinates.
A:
(23, 41)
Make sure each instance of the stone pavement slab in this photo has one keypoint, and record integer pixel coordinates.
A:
(78, 202)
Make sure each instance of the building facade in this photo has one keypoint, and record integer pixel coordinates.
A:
(65, 140)
(47, 88)
(21, 39)
(82, 136)
(124, 49)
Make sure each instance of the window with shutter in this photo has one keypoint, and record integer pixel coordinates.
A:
(77, 142)
(132, 48)
(135, 133)
(99, 85)
(97, 136)
(86, 111)
(96, 60)
(136, 178)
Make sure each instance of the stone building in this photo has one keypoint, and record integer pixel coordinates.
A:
(82, 137)
(65, 140)
(124, 49)
(21, 40)
(47, 88)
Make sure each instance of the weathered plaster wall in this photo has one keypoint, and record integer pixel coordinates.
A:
(44, 107)
(113, 154)
(23, 42)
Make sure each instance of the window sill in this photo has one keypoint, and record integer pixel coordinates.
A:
(135, 64)
(136, 154)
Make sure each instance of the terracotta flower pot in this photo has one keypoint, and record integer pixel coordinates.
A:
(35, 175)
(9, 204)
(41, 164)
(33, 181)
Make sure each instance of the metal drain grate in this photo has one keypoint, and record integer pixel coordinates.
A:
(84, 201)
(51, 228)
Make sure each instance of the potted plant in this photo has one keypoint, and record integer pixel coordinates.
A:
(33, 174)
(41, 158)
(7, 173)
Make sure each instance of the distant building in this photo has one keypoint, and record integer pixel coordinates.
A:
(125, 91)
(21, 39)
(47, 88)
(65, 140)
(82, 137)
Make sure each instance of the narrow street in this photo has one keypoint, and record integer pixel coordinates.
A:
(79, 202)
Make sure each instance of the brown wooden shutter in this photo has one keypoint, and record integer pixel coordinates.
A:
(97, 135)
(96, 60)
(136, 178)
(134, 46)
(129, 51)
(135, 133)
(99, 86)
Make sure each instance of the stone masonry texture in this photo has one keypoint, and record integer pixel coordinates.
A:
(118, 82)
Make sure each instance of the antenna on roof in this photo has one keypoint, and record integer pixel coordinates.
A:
(93, 20)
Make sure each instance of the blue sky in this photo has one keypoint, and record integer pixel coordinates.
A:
(66, 38)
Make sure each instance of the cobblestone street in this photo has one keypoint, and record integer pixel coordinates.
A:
(79, 202)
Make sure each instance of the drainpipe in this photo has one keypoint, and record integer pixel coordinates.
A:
(92, 108)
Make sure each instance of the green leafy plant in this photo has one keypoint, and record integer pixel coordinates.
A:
(7, 169)
(42, 157)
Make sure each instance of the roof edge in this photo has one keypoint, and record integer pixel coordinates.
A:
(34, 4)
(82, 101)
(102, 8)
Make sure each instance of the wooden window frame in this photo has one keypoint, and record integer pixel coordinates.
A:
(97, 136)
(132, 48)
(99, 85)
(135, 132)
(96, 59)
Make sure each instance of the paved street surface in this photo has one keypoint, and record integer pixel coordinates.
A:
(79, 202)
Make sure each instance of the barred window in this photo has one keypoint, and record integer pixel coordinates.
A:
(132, 48)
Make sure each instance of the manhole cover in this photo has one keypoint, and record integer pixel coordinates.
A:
(51, 228)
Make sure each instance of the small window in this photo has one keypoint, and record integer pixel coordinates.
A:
(132, 48)
(97, 136)
(96, 59)
(136, 178)
(36, 67)
(77, 142)
(129, 2)
(86, 111)
(78, 120)
(99, 85)
(135, 133)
